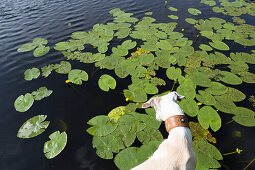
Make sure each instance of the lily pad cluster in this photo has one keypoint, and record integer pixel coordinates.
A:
(143, 49)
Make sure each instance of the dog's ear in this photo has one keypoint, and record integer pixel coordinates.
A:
(179, 96)
(152, 102)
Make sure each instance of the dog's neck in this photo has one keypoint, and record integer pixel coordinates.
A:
(176, 121)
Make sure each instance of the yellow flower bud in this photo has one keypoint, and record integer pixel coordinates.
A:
(127, 99)
(182, 29)
(67, 81)
(199, 103)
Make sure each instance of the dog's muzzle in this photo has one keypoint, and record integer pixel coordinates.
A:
(176, 121)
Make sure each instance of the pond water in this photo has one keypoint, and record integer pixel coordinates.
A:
(69, 108)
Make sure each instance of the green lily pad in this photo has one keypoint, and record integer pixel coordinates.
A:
(55, 145)
(61, 46)
(234, 95)
(187, 90)
(41, 51)
(46, 70)
(126, 159)
(32, 73)
(149, 134)
(194, 11)
(207, 154)
(208, 116)
(189, 106)
(116, 113)
(201, 79)
(106, 82)
(205, 47)
(244, 116)
(40, 41)
(164, 45)
(146, 151)
(224, 104)
(101, 126)
(63, 68)
(41, 93)
(150, 89)
(173, 17)
(146, 59)
(205, 98)
(247, 77)
(219, 45)
(216, 89)
(173, 9)
(33, 127)
(128, 44)
(26, 47)
(173, 73)
(23, 103)
(191, 21)
(76, 76)
(129, 94)
(148, 13)
(229, 78)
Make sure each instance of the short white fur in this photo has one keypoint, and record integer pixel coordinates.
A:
(175, 152)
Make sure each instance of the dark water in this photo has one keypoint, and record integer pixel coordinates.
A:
(70, 108)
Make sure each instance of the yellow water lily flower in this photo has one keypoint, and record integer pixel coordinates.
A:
(68, 81)
(127, 99)
(182, 29)
(199, 103)
(238, 150)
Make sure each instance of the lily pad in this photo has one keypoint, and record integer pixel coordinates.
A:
(173, 9)
(205, 98)
(101, 126)
(76, 76)
(189, 106)
(173, 17)
(205, 47)
(33, 127)
(164, 45)
(187, 90)
(217, 89)
(194, 11)
(23, 103)
(128, 44)
(191, 21)
(219, 45)
(55, 145)
(126, 159)
(106, 82)
(229, 78)
(149, 134)
(41, 93)
(208, 116)
(201, 79)
(27, 47)
(32, 73)
(247, 77)
(234, 95)
(117, 112)
(224, 104)
(41, 51)
(173, 73)
(40, 41)
(244, 116)
(63, 68)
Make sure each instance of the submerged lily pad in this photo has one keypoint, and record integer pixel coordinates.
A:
(32, 73)
(76, 76)
(55, 145)
(208, 116)
(106, 82)
(23, 103)
(33, 127)
(41, 93)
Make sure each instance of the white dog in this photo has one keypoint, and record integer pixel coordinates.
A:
(174, 153)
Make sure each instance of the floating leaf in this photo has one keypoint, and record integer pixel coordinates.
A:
(23, 103)
(173, 74)
(117, 112)
(189, 106)
(63, 68)
(217, 89)
(126, 159)
(229, 78)
(164, 45)
(173, 17)
(128, 44)
(205, 47)
(32, 73)
(27, 47)
(61, 46)
(148, 13)
(247, 77)
(224, 104)
(208, 116)
(205, 98)
(187, 90)
(191, 21)
(41, 50)
(149, 134)
(207, 154)
(101, 126)
(33, 127)
(106, 82)
(146, 59)
(234, 95)
(198, 132)
(150, 89)
(40, 41)
(146, 151)
(41, 93)
(46, 70)
(219, 45)
(201, 79)
(244, 116)
(194, 11)
(173, 9)
(76, 76)
(55, 145)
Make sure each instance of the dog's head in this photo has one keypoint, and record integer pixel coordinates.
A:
(163, 103)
